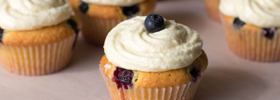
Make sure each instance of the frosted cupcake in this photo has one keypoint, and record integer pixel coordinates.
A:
(37, 36)
(252, 28)
(98, 17)
(212, 8)
(150, 58)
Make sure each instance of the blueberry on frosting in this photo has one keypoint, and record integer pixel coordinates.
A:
(172, 46)
(154, 23)
(83, 7)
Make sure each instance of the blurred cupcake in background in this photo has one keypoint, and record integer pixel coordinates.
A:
(98, 17)
(252, 28)
(37, 36)
(212, 8)
(150, 58)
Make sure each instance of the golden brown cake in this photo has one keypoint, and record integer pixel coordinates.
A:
(37, 48)
(46, 35)
(249, 39)
(184, 79)
(98, 19)
(212, 8)
(151, 58)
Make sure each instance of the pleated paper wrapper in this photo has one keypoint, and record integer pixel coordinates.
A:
(95, 30)
(37, 60)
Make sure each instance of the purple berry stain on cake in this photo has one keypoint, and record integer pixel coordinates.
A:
(195, 74)
(269, 32)
(83, 7)
(74, 26)
(123, 77)
(238, 24)
(130, 11)
(1, 34)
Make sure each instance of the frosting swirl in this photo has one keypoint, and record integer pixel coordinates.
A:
(115, 2)
(32, 14)
(130, 46)
(262, 13)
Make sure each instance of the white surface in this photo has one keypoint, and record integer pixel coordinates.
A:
(228, 77)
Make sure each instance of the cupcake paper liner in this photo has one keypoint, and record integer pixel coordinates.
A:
(37, 60)
(95, 30)
(180, 92)
(252, 44)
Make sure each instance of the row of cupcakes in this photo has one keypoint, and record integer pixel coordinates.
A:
(145, 57)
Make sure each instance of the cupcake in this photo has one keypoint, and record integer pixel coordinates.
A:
(98, 17)
(37, 36)
(150, 58)
(252, 28)
(212, 8)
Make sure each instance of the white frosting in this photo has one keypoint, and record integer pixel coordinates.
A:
(115, 2)
(32, 14)
(262, 13)
(131, 46)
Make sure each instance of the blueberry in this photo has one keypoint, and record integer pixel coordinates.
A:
(74, 26)
(83, 7)
(154, 23)
(1, 34)
(238, 24)
(130, 11)
(269, 32)
(123, 77)
(195, 74)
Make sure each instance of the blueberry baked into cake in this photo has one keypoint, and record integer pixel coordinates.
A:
(98, 17)
(151, 58)
(252, 28)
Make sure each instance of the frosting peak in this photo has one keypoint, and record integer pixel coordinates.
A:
(262, 13)
(115, 2)
(32, 14)
(131, 46)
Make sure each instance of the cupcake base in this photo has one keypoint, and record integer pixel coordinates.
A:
(250, 43)
(36, 60)
(212, 8)
(181, 92)
(98, 20)
(95, 30)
